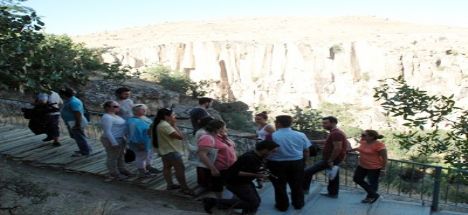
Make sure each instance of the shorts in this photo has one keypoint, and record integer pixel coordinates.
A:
(172, 156)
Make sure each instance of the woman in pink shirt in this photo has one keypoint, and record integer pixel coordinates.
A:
(372, 160)
(216, 139)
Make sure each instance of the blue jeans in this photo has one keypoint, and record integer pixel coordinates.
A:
(80, 138)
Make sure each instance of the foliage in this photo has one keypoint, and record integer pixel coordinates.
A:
(434, 124)
(32, 61)
(178, 82)
(346, 117)
(19, 35)
(237, 121)
(308, 121)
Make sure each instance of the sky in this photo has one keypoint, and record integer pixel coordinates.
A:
(87, 16)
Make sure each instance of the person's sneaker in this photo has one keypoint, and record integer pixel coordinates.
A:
(47, 139)
(153, 170)
(370, 200)
(77, 154)
(326, 194)
(209, 204)
(115, 177)
(56, 144)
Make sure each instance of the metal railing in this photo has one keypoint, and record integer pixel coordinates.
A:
(405, 180)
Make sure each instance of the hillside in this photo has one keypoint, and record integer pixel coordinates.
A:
(286, 61)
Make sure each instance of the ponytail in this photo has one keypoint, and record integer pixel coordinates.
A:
(163, 112)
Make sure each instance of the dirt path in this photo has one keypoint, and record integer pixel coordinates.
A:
(71, 193)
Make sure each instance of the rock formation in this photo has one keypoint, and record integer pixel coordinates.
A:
(300, 61)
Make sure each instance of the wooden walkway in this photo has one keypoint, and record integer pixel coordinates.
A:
(19, 143)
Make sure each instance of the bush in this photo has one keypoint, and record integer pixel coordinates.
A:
(308, 121)
(345, 115)
(32, 61)
(178, 82)
(434, 124)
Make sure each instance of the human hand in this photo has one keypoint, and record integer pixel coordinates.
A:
(215, 172)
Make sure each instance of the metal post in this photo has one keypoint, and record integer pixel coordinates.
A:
(436, 190)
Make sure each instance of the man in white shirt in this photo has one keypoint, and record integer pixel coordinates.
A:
(53, 100)
(126, 104)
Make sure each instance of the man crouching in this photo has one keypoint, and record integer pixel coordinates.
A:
(239, 180)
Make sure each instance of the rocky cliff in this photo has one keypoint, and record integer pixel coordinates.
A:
(299, 61)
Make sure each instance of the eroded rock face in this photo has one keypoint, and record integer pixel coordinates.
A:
(98, 91)
(338, 61)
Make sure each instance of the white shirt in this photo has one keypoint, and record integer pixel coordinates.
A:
(262, 133)
(52, 98)
(114, 127)
(126, 106)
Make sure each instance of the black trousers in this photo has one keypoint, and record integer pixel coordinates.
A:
(333, 185)
(372, 185)
(288, 173)
(247, 198)
(52, 126)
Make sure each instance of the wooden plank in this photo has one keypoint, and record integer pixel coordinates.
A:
(16, 143)
(6, 128)
(24, 148)
(14, 133)
(26, 151)
(89, 161)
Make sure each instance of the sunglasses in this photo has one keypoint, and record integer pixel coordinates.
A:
(364, 135)
(116, 106)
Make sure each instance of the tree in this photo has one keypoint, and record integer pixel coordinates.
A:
(33, 61)
(434, 124)
(19, 37)
(308, 120)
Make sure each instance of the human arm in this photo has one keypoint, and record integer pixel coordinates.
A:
(270, 129)
(203, 155)
(77, 116)
(177, 134)
(106, 124)
(306, 145)
(383, 154)
(337, 147)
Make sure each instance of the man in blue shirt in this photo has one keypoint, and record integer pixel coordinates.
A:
(73, 116)
(288, 163)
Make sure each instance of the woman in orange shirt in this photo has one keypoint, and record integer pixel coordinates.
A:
(372, 160)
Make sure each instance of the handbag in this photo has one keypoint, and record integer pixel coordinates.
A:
(193, 157)
(129, 155)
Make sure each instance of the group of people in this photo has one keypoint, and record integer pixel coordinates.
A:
(280, 153)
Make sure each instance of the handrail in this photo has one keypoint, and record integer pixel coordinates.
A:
(405, 177)
(98, 113)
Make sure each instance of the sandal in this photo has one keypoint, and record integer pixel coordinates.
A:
(173, 187)
(189, 192)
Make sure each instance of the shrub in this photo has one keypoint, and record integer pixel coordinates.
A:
(434, 125)
(178, 82)
(32, 61)
(345, 115)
